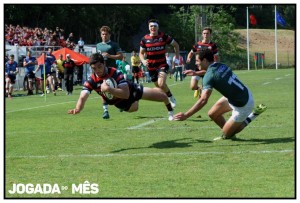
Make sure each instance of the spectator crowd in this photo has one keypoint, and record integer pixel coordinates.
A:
(26, 36)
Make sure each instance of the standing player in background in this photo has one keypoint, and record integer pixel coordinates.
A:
(29, 64)
(80, 45)
(60, 72)
(49, 60)
(49, 63)
(178, 67)
(111, 52)
(10, 75)
(135, 61)
(154, 46)
(206, 43)
(168, 59)
(69, 66)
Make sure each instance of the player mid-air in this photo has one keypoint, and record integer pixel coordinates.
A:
(125, 95)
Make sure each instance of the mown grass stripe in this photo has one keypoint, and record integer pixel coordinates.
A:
(149, 154)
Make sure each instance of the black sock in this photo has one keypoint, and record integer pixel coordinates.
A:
(169, 107)
(169, 94)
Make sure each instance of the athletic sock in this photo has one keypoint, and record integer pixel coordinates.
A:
(250, 118)
(169, 94)
(169, 107)
(105, 107)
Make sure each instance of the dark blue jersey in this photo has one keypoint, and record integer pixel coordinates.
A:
(30, 67)
(10, 67)
(94, 82)
(135, 91)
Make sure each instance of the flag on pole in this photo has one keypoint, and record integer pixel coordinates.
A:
(252, 20)
(41, 61)
(280, 20)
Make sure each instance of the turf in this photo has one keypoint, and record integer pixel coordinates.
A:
(143, 155)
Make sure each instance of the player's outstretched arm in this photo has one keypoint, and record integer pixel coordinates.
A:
(80, 103)
(201, 102)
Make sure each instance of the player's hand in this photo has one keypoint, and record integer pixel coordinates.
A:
(145, 62)
(188, 60)
(189, 72)
(180, 117)
(73, 111)
(105, 87)
(105, 55)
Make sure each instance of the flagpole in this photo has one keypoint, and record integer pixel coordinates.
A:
(248, 53)
(276, 39)
(45, 93)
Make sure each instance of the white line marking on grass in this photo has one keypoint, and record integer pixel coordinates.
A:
(151, 121)
(266, 83)
(144, 124)
(150, 154)
(37, 107)
(278, 78)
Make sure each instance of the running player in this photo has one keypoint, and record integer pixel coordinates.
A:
(111, 52)
(206, 43)
(10, 75)
(153, 45)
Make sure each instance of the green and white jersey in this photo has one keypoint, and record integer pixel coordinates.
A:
(221, 77)
(110, 47)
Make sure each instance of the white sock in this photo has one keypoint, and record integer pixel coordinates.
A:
(105, 107)
(250, 118)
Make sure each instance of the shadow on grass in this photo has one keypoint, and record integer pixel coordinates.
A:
(199, 120)
(151, 117)
(167, 144)
(188, 142)
(267, 141)
(20, 95)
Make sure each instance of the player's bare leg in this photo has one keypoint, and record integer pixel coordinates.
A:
(161, 83)
(217, 110)
(156, 94)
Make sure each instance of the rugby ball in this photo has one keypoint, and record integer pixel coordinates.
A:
(113, 84)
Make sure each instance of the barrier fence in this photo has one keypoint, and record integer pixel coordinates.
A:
(258, 60)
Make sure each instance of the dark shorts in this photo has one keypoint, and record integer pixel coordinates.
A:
(12, 78)
(30, 75)
(136, 93)
(60, 75)
(154, 73)
(47, 75)
(135, 69)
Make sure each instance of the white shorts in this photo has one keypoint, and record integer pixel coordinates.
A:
(196, 77)
(239, 114)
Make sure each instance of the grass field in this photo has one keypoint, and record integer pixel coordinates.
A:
(143, 155)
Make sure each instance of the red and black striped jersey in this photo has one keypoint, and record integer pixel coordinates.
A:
(155, 47)
(68, 66)
(94, 83)
(203, 46)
